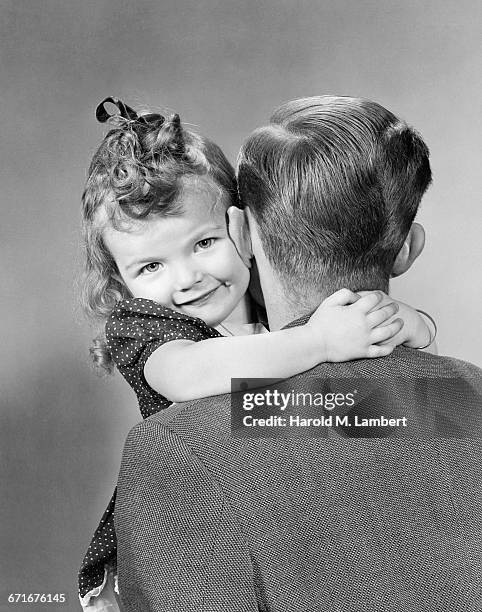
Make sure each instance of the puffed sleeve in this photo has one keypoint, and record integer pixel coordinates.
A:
(135, 329)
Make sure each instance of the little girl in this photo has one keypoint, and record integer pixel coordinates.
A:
(168, 267)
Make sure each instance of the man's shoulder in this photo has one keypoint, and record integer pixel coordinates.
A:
(461, 368)
(210, 417)
(403, 362)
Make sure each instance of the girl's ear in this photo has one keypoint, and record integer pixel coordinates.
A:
(239, 233)
(411, 249)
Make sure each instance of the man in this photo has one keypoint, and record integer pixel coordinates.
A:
(208, 520)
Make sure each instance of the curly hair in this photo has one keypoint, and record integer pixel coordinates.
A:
(136, 173)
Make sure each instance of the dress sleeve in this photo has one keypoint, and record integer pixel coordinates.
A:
(136, 328)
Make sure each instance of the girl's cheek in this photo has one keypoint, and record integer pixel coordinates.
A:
(233, 255)
(220, 260)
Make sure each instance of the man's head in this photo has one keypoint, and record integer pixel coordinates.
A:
(333, 185)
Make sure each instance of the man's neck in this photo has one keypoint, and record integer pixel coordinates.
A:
(279, 316)
(282, 309)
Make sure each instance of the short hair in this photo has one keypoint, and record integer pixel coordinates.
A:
(334, 184)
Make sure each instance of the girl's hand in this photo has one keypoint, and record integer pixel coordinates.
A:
(416, 333)
(347, 326)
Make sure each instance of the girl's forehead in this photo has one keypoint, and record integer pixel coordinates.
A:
(201, 196)
(199, 199)
(201, 204)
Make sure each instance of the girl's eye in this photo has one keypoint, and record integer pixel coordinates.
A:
(206, 243)
(151, 267)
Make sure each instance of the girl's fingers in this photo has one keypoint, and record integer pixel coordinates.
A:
(379, 351)
(385, 298)
(385, 332)
(343, 297)
(368, 302)
(376, 317)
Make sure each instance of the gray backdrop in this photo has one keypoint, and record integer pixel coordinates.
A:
(223, 66)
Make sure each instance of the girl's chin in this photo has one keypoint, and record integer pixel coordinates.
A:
(225, 304)
(211, 316)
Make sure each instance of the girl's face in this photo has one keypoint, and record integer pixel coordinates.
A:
(186, 262)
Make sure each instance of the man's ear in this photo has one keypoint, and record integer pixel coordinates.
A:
(411, 249)
(239, 233)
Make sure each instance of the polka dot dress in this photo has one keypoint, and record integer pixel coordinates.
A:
(136, 328)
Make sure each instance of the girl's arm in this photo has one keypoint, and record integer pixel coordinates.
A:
(344, 327)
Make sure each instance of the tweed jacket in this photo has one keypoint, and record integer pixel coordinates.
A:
(209, 522)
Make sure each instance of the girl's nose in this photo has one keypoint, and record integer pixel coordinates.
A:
(186, 277)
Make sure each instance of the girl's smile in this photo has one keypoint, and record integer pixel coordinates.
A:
(202, 299)
(186, 262)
